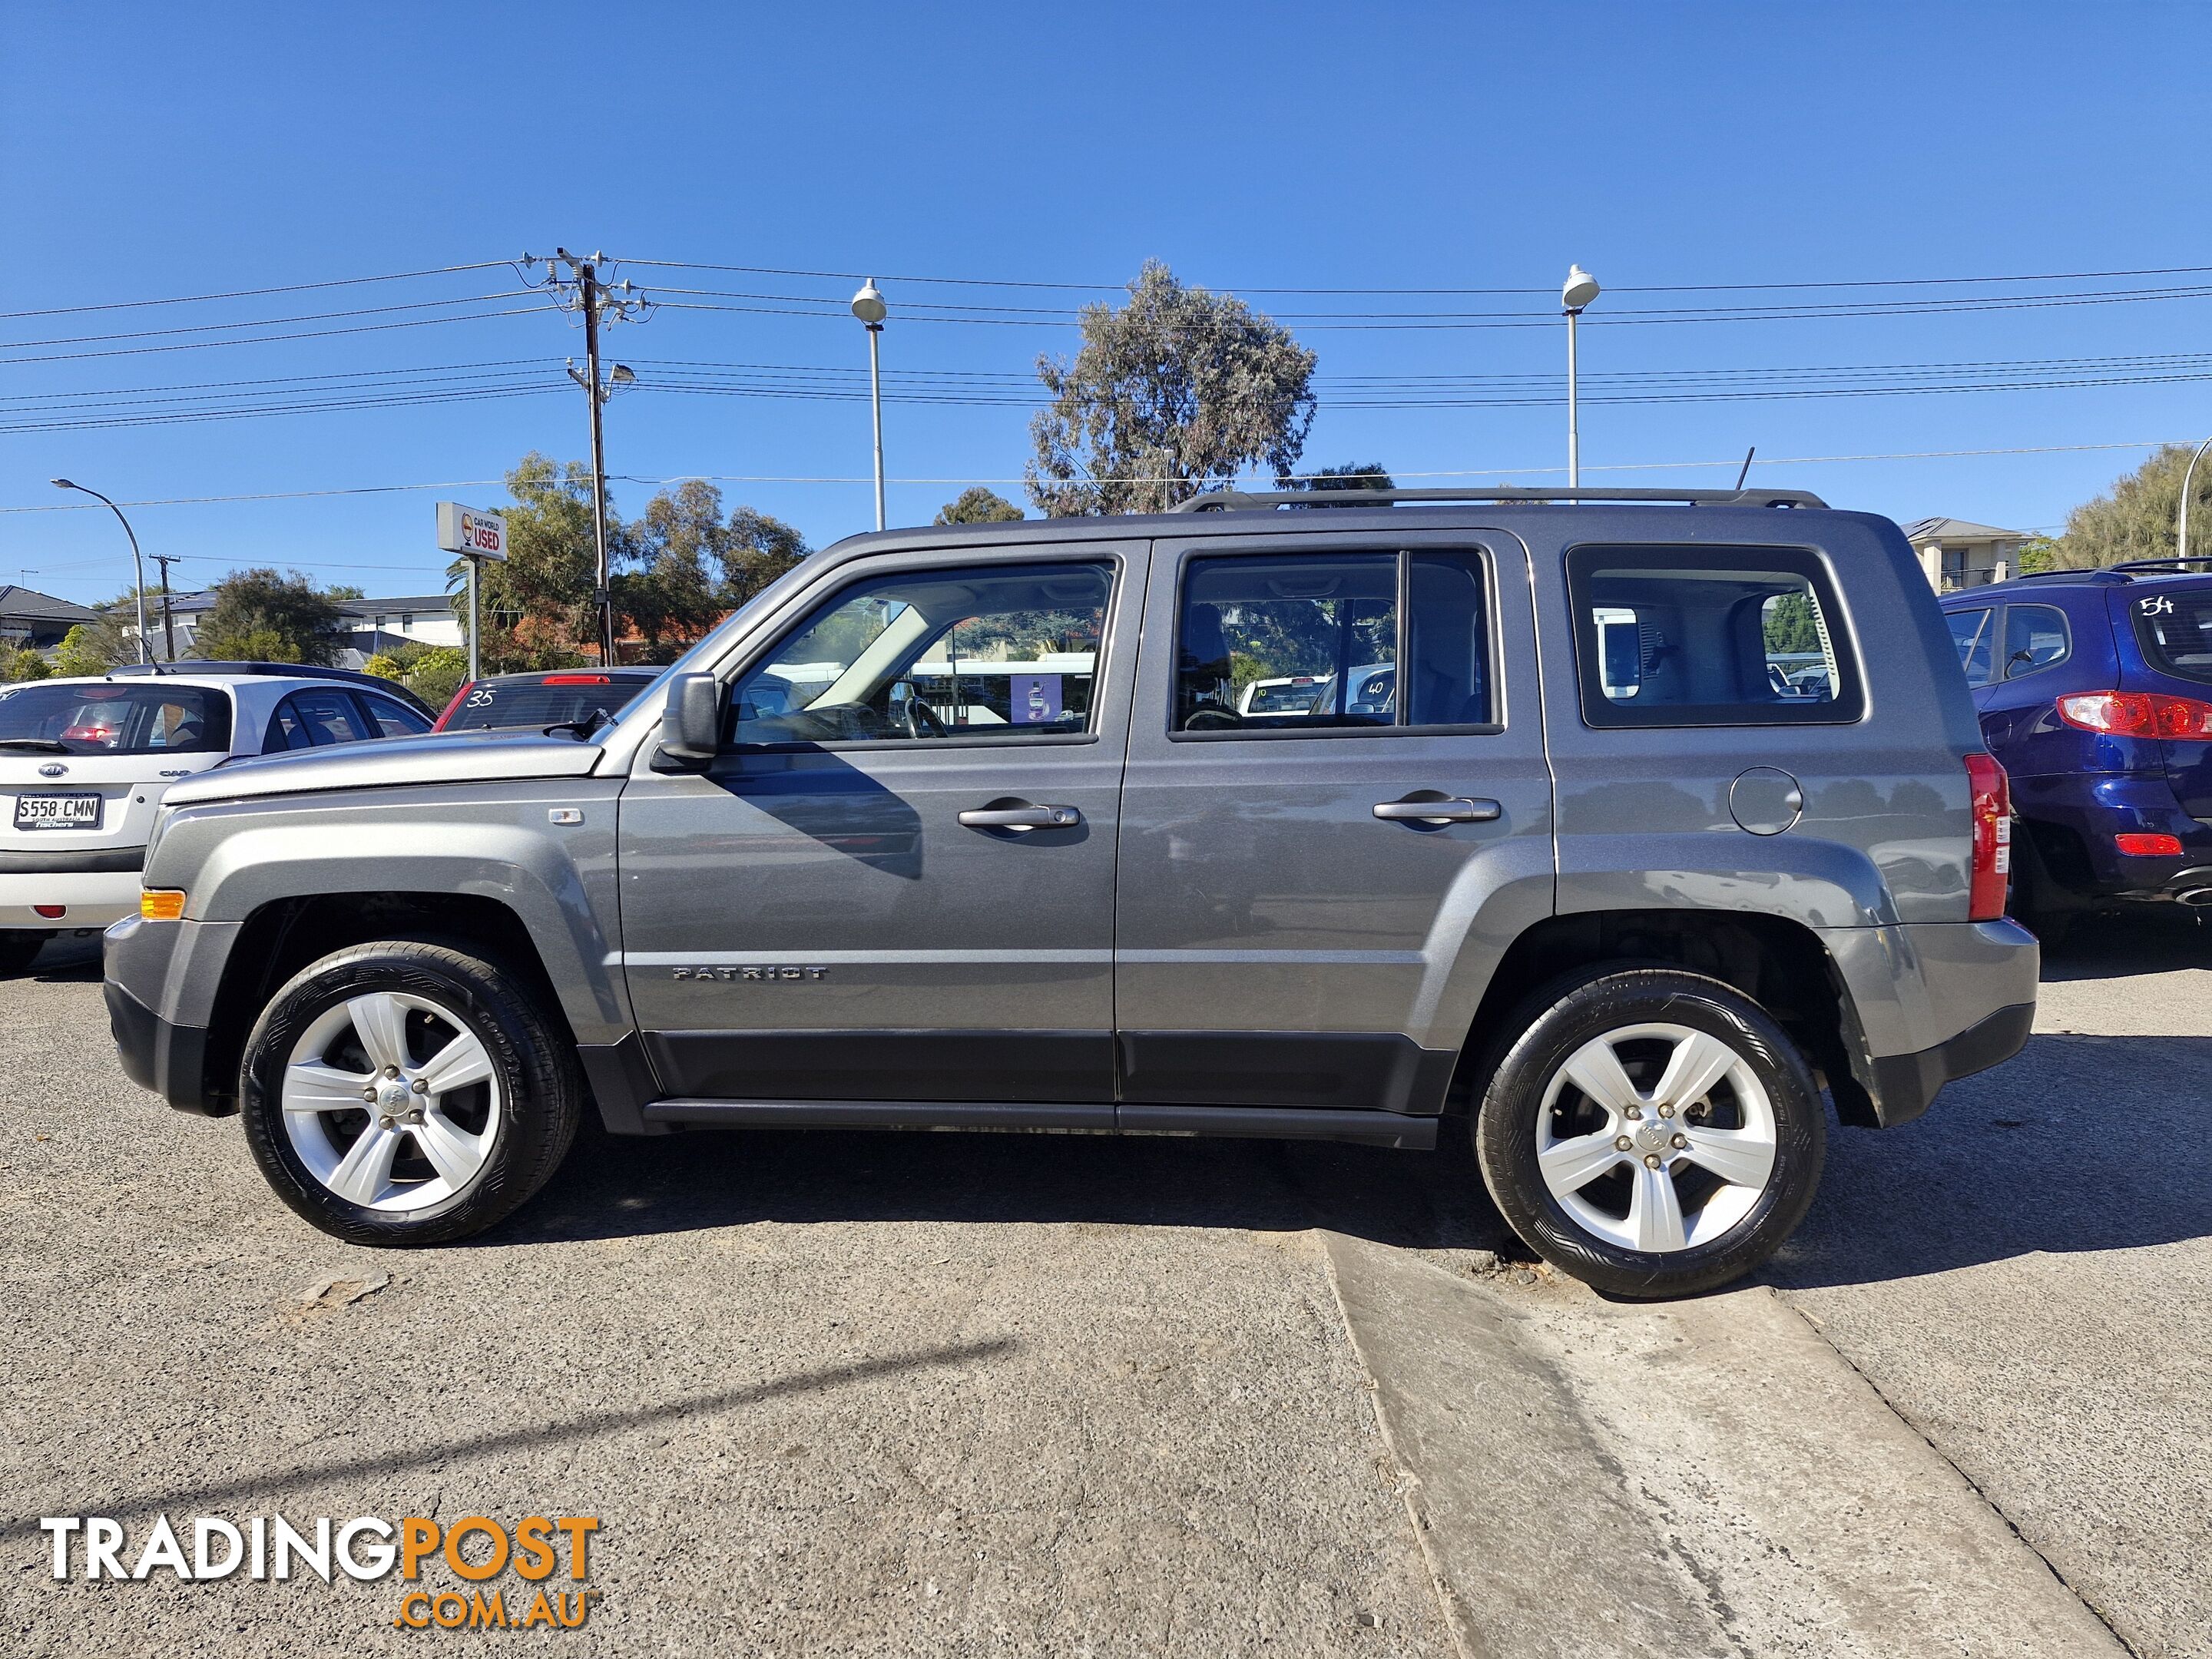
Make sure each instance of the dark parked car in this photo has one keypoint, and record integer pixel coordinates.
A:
(2094, 689)
(558, 698)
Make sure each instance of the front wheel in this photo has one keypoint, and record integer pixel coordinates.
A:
(405, 1093)
(1652, 1132)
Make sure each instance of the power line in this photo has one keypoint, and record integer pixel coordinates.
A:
(252, 292)
(267, 322)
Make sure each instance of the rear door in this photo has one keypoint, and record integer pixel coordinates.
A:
(84, 765)
(1292, 928)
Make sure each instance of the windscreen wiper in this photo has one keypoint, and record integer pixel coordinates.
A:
(583, 726)
(46, 746)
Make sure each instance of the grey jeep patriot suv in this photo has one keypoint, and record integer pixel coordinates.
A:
(1607, 828)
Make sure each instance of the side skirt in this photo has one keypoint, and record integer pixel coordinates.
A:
(1373, 1128)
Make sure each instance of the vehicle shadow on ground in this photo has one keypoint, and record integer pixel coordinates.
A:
(2074, 1145)
(2116, 947)
(613, 1187)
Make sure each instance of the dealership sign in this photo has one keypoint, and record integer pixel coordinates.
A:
(468, 530)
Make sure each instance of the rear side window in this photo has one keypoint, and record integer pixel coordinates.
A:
(1970, 632)
(1300, 642)
(315, 720)
(1709, 636)
(2175, 630)
(393, 720)
(111, 719)
(2035, 637)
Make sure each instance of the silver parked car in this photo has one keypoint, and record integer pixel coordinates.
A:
(85, 762)
(1587, 885)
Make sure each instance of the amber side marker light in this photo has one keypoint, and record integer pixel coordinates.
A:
(161, 904)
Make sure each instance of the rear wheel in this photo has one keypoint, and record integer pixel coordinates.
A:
(404, 1093)
(19, 948)
(1652, 1132)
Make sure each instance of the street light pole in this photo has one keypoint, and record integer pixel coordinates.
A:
(2181, 537)
(168, 621)
(137, 564)
(868, 306)
(1580, 289)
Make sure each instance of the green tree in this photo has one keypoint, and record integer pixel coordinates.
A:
(1790, 625)
(691, 567)
(386, 665)
(1369, 475)
(80, 653)
(19, 663)
(2138, 518)
(344, 590)
(109, 641)
(1178, 388)
(435, 672)
(976, 505)
(261, 616)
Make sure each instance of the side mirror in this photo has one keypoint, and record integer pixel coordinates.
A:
(692, 724)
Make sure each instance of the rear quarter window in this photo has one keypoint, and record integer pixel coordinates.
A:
(1710, 636)
(2175, 631)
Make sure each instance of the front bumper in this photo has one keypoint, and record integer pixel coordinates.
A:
(170, 1060)
(89, 898)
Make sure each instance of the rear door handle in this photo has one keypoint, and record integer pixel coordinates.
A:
(1021, 818)
(1457, 809)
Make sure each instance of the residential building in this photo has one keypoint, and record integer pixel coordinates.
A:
(372, 625)
(1958, 553)
(37, 620)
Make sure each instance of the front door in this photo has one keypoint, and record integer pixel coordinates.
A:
(896, 881)
(1337, 815)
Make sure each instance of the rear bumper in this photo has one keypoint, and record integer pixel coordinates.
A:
(2073, 821)
(1934, 1001)
(89, 898)
(170, 1060)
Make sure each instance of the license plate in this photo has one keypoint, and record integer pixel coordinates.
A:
(58, 811)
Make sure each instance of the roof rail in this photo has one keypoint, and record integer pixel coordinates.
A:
(273, 670)
(2158, 567)
(1238, 500)
(2126, 571)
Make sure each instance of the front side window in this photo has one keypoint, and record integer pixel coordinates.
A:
(1312, 642)
(2035, 637)
(2175, 631)
(1704, 636)
(109, 718)
(999, 651)
(1970, 632)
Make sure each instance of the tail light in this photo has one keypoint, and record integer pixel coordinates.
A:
(577, 680)
(2137, 714)
(1992, 865)
(439, 725)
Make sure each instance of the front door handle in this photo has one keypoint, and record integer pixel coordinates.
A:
(1439, 809)
(1024, 816)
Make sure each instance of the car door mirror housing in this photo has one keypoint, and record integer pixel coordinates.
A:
(692, 722)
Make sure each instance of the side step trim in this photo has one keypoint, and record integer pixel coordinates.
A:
(1263, 1122)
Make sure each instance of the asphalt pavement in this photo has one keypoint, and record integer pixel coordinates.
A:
(837, 1393)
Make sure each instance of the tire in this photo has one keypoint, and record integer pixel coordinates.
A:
(19, 948)
(1550, 1150)
(483, 1107)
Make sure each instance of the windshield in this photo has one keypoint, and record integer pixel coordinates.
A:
(2176, 631)
(554, 700)
(103, 718)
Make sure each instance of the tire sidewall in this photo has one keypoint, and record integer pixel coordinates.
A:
(467, 990)
(1567, 1015)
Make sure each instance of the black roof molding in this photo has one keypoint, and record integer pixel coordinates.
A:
(288, 671)
(1238, 500)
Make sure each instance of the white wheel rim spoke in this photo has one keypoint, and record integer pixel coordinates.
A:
(1654, 1212)
(1696, 1066)
(1571, 1166)
(1742, 1158)
(365, 1169)
(409, 1108)
(380, 1018)
(459, 1064)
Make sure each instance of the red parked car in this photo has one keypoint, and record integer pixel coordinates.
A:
(560, 696)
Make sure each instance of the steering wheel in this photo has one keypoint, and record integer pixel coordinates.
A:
(920, 720)
(1211, 719)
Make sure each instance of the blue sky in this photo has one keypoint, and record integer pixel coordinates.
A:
(152, 151)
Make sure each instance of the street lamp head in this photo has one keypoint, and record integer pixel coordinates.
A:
(868, 304)
(61, 484)
(1581, 289)
(623, 375)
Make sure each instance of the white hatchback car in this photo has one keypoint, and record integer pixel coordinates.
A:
(84, 764)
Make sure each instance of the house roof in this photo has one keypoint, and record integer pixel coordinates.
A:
(1959, 530)
(29, 604)
(186, 604)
